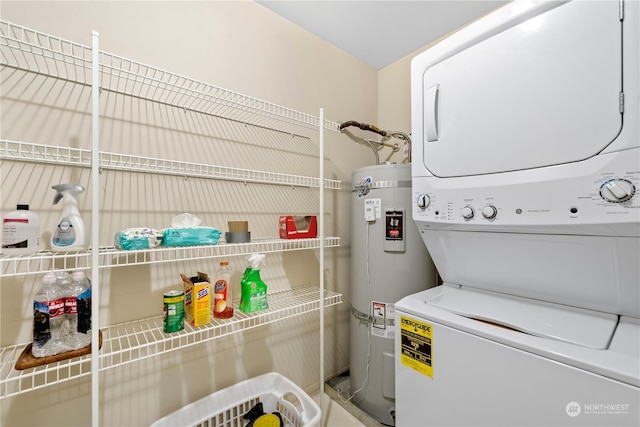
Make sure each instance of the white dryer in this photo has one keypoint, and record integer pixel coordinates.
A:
(526, 173)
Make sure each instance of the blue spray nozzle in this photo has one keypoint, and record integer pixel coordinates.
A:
(64, 190)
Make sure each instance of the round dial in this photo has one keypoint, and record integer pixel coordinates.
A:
(467, 212)
(617, 190)
(489, 212)
(423, 201)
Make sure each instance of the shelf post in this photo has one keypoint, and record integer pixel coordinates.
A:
(95, 229)
(321, 225)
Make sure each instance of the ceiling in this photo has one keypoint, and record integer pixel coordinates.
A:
(383, 31)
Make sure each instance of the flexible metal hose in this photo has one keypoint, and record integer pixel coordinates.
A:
(364, 126)
(384, 133)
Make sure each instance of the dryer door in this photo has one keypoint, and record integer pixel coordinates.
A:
(540, 93)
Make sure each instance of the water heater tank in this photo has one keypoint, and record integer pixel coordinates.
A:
(388, 262)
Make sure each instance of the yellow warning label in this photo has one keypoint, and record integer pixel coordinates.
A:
(415, 345)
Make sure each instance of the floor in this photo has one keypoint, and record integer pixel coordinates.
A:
(339, 413)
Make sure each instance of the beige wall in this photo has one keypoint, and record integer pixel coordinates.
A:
(237, 45)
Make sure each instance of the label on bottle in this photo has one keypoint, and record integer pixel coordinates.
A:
(65, 235)
(41, 329)
(83, 307)
(17, 233)
(70, 306)
(56, 308)
(220, 295)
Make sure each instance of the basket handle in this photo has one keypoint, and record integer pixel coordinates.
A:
(295, 400)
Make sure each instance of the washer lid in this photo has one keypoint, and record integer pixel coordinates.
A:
(511, 96)
(577, 326)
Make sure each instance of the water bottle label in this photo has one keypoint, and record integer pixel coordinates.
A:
(83, 307)
(56, 308)
(70, 306)
(41, 329)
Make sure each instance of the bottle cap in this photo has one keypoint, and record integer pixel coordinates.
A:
(22, 207)
(49, 279)
(224, 262)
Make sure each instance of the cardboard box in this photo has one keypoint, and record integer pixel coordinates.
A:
(298, 227)
(197, 299)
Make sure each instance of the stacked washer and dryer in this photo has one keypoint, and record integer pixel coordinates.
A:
(526, 170)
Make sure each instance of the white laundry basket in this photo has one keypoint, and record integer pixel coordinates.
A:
(226, 407)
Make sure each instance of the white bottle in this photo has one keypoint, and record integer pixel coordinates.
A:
(21, 232)
(69, 234)
(77, 312)
(48, 315)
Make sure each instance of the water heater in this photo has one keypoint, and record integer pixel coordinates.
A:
(388, 262)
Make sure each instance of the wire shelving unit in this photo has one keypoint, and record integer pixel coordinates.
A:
(30, 51)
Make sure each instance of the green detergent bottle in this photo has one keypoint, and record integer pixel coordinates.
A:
(253, 290)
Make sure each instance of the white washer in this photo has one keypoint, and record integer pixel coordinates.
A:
(526, 172)
(471, 373)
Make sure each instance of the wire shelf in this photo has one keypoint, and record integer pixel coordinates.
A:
(133, 341)
(110, 257)
(13, 382)
(51, 154)
(29, 50)
(122, 75)
(36, 52)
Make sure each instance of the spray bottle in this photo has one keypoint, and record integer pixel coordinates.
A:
(69, 234)
(253, 289)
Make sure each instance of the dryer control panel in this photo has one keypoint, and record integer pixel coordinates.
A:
(606, 202)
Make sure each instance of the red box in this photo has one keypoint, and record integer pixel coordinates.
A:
(298, 227)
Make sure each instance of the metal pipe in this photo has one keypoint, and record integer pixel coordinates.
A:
(395, 146)
(405, 137)
(375, 152)
(385, 135)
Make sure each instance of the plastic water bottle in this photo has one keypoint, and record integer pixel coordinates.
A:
(59, 322)
(84, 312)
(48, 315)
(77, 312)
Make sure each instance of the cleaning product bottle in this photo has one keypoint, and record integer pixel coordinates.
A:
(20, 232)
(253, 289)
(222, 302)
(69, 234)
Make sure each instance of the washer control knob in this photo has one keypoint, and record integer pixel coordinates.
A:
(467, 212)
(617, 190)
(489, 212)
(423, 201)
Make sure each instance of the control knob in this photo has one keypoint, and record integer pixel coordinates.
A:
(423, 201)
(617, 190)
(489, 212)
(467, 212)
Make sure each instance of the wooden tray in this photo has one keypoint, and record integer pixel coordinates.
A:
(26, 359)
